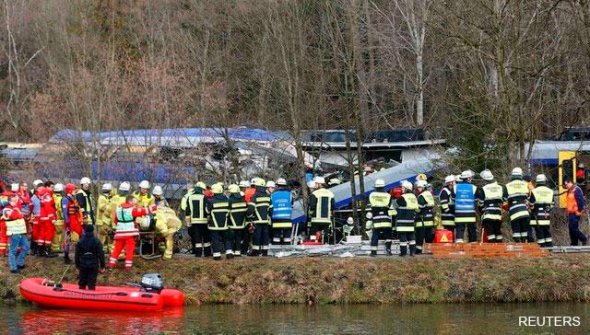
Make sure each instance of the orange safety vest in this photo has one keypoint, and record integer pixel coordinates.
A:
(572, 203)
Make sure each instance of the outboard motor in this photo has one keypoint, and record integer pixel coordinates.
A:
(152, 282)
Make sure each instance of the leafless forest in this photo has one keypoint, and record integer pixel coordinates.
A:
(477, 72)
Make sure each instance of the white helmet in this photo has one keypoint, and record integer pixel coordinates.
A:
(107, 187)
(270, 184)
(486, 175)
(59, 187)
(541, 178)
(37, 182)
(379, 183)
(157, 190)
(144, 184)
(421, 183)
(466, 174)
(85, 181)
(449, 179)
(320, 180)
(458, 178)
(253, 181)
(281, 182)
(517, 172)
(244, 184)
(311, 184)
(14, 187)
(407, 185)
(125, 186)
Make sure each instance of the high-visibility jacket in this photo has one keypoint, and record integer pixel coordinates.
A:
(258, 207)
(281, 208)
(465, 202)
(125, 220)
(446, 198)
(59, 217)
(516, 193)
(407, 208)
(237, 211)
(195, 208)
(575, 200)
(542, 201)
(490, 200)
(104, 210)
(218, 210)
(144, 200)
(426, 215)
(84, 198)
(381, 208)
(321, 207)
(71, 211)
(249, 193)
(15, 222)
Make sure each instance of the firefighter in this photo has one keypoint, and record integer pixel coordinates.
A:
(244, 185)
(58, 238)
(16, 228)
(126, 230)
(425, 217)
(381, 217)
(490, 203)
(407, 208)
(85, 200)
(217, 210)
(143, 196)
(196, 220)
(258, 215)
(73, 218)
(167, 224)
(46, 222)
(281, 208)
(465, 209)
(249, 193)
(447, 204)
(516, 194)
(321, 209)
(542, 201)
(237, 220)
(104, 220)
(159, 199)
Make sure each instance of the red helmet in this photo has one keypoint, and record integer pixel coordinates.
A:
(70, 188)
(397, 192)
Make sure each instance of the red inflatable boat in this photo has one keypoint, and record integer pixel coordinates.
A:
(107, 298)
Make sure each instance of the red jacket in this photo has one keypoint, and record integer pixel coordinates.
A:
(47, 206)
(135, 213)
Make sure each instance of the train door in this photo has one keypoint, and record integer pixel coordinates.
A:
(567, 170)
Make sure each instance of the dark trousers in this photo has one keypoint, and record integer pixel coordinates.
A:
(574, 229)
(544, 236)
(281, 236)
(493, 230)
(239, 238)
(520, 228)
(87, 278)
(471, 232)
(261, 239)
(221, 243)
(429, 234)
(200, 239)
(405, 239)
(381, 234)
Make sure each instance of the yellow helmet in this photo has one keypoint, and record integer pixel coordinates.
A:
(201, 185)
(260, 182)
(217, 188)
(233, 188)
(421, 176)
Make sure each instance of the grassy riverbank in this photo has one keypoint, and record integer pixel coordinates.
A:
(340, 281)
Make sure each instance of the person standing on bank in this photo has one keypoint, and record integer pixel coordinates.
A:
(575, 206)
(465, 214)
(89, 259)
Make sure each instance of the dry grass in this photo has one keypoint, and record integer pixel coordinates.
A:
(345, 281)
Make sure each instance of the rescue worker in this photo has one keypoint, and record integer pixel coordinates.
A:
(104, 221)
(196, 220)
(541, 200)
(490, 203)
(16, 229)
(46, 222)
(244, 185)
(4, 202)
(249, 193)
(158, 194)
(425, 217)
(126, 231)
(321, 209)
(258, 215)
(143, 196)
(73, 218)
(217, 210)
(89, 259)
(84, 198)
(465, 209)
(58, 237)
(281, 208)
(575, 206)
(381, 216)
(447, 204)
(407, 209)
(167, 224)
(36, 238)
(516, 194)
(237, 220)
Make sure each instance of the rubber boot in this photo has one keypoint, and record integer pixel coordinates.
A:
(33, 251)
(41, 251)
(216, 258)
(388, 248)
(208, 252)
(412, 250)
(49, 253)
(229, 256)
(373, 253)
(198, 252)
(403, 251)
(418, 250)
(254, 253)
(265, 253)
(548, 245)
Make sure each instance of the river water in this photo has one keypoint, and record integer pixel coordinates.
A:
(354, 319)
